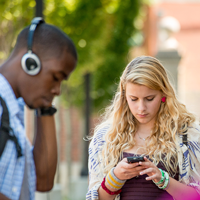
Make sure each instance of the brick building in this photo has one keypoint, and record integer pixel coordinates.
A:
(188, 38)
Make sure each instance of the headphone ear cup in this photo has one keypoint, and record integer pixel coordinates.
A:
(31, 64)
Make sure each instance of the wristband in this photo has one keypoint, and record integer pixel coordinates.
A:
(45, 111)
(113, 181)
(107, 190)
(162, 177)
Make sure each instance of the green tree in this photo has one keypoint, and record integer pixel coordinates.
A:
(101, 31)
(14, 16)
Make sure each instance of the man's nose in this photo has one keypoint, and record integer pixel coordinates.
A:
(56, 89)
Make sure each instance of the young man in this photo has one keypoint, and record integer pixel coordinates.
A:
(42, 58)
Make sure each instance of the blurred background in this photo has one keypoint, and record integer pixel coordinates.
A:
(107, 35)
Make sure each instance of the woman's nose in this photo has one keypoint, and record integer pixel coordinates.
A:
(141, 106)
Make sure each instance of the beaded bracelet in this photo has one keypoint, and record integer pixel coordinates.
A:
(162, 178)
(166, 181)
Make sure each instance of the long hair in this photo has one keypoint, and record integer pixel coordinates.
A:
(172, 117)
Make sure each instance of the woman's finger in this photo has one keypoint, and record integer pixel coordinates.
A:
(146, 161)
(153, 177)
(147, 171)
(129, 165)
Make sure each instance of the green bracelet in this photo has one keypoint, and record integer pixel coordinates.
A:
(166, 181)
(162, 177)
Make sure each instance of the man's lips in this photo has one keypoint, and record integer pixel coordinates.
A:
(47, 101)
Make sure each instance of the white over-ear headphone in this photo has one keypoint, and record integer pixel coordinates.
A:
(30, 62)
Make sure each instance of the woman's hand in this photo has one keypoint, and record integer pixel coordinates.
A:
(151, 170)
(125, 170)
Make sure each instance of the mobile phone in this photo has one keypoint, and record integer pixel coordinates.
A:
(135, 159)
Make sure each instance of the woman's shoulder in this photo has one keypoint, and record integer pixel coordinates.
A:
(193, 131)
(98, 138)
(101, 131)
(189, 154)
(192, 134)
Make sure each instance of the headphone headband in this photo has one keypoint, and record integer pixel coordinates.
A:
(30, 62)
(34, 23)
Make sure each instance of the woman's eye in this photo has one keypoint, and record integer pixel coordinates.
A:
(133, 99)
(150, 99)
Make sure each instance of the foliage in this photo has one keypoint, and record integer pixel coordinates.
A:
(102, 32)
(14, 16)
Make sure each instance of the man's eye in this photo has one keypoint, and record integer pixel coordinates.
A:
(55, 78)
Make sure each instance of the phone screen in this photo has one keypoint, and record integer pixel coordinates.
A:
(135, 159)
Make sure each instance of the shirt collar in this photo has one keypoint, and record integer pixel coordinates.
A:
(8, 95)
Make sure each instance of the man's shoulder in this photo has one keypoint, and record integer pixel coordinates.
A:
(1, 108)
(3, 83)
(8, 96)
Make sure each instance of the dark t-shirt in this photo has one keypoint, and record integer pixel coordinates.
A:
(138, 188)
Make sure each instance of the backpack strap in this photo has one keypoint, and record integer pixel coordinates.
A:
(185, 139)
(5, 131)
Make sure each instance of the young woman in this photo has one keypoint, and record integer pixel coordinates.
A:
(145, 119)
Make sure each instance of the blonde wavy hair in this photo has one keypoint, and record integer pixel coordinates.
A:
(172, 117)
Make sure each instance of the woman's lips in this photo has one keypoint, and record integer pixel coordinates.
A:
(142, 116)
